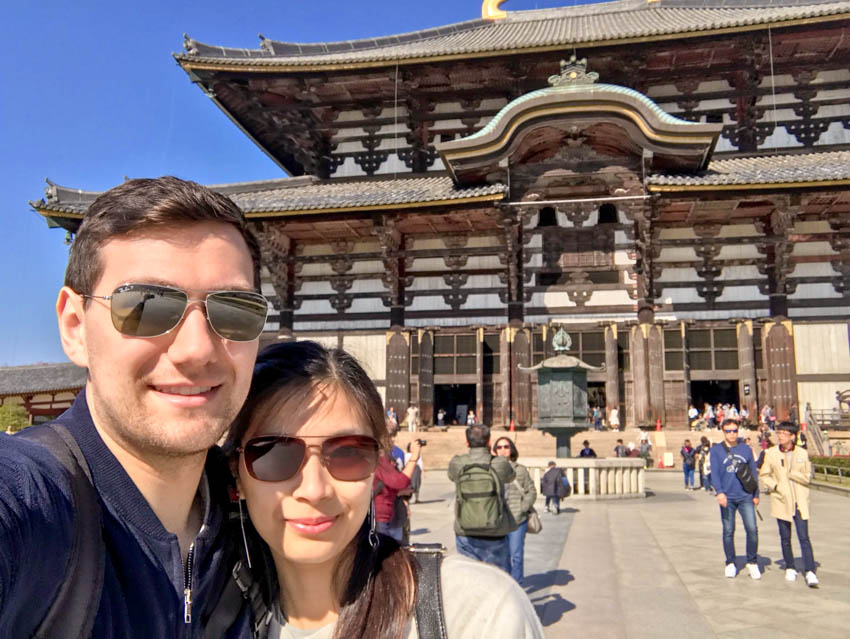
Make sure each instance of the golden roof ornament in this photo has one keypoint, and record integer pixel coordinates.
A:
(573, 72)
(490, 10)
(561, 341)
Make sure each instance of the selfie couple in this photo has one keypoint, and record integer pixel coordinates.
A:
(124, 519)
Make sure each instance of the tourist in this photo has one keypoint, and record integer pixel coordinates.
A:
(586, 451)
(482, 518)
(441, 417)
(392, 416)
(708, 415)
(418, 472)
(305, 447)
(693, 416)
(619, 449)
(704, 462)
(412, 418)
(521, 496)
(632, 451)
(553, 485)
(470, 418)
(160, 304)
(614, 419)
(732, 496)
(688, 454)
(390, 511)
(744, 415)
(785, 475)
(646, 451)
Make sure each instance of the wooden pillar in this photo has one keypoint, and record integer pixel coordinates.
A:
(780, 365)
(612, 371)
(655, 365)
(394, 278)
(639, 346)
(511, 257)
(479, 374)
(398, 371)
(521, 382)
(747, 384)
(426, 377)
(506, 338)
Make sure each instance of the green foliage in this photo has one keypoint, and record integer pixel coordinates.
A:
(13, 417)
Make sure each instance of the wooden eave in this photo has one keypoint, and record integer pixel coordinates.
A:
(776, 186)
(189, 66)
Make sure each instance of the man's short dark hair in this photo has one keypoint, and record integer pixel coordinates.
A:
(550, 464)
(144, 204)
(619, 441)
(585, 443)
(789, 426)
(478, 436)
(730, 420)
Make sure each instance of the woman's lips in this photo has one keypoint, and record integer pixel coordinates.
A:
(311, 525)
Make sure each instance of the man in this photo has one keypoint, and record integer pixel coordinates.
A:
(482, 517)
(553, 486)
(412, 418)
(688, 454)
(620, 449)
(614, 419)
(786, 474)
(730, 494)
(587, 451)
(160, 304)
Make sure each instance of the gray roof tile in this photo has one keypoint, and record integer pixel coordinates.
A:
(766, 169)
(565, 26)
(40, 378)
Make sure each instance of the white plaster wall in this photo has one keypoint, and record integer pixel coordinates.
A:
(677, 254)
(428, 283)
(428, 303)
(685, 233)
(367, 286)
(740, 273)
(718, 315)
(483, 301)
(838, 312)
(322, 287)
(812, 226)
(821, 395)
(610, 298)
(457, 321)
(309, 307)
(822, 348)
(815, 291)
(328, 341)
(556, 299)
(740, 252)
(781, 139)
(835, 134)
(340, 324)
(740, 294)
(812, 248)
(813, 269)
(678, 275)
(738, 230)
(367, 305)
(317, 268)
(680, 296)
(621, 258)
(370, 351)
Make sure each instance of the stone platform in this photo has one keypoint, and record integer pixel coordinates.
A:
(648, 568)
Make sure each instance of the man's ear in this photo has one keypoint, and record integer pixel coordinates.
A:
(72, 332)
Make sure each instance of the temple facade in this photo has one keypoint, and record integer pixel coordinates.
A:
(668, 180)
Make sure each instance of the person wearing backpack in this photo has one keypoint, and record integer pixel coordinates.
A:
(113, 517)
(482, 516)
(554, 487)
(729, 478)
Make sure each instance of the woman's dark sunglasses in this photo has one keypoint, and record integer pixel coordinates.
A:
(150, 310)
(278, 458)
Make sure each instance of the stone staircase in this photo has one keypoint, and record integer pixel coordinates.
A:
(442, 446)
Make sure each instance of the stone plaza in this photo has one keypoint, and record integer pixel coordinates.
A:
(653, 567)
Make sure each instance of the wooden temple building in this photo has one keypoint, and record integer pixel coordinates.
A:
(669, 180)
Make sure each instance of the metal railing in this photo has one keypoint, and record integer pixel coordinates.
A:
(825, 470)
(817, 442)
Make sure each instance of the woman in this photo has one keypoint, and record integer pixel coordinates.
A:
(390, 511)
(305, 447)
(688, 454)
(705, 463)
(521, 495)
(785, 475)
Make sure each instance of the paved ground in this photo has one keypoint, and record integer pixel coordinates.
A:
(654, 567)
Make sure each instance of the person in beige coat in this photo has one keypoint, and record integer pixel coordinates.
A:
(785, 476)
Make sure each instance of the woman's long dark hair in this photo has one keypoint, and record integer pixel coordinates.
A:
(514, 452)
(378, 598)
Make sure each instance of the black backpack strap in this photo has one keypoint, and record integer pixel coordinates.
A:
(430, 620)
(240, 587)
(72, 613)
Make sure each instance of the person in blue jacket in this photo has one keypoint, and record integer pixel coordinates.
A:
(160, 305)
(725, 458)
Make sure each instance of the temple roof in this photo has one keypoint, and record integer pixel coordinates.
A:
(587, 25)
(798, 169)
(299, 195)
(40, 378)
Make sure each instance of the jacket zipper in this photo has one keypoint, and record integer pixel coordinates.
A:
(187, 586)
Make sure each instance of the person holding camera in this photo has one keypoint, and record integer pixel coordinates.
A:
(390, 512)
(418, 471)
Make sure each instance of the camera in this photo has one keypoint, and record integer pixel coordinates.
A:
(422, 442)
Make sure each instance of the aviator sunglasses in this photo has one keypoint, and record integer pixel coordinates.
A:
(278, 458)
(151, 310)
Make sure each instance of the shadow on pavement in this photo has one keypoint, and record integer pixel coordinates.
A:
(534, 583)
(550, 608)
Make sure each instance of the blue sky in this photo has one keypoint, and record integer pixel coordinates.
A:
(90, 94)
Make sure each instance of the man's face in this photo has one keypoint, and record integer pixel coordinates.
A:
(785, 438)
(730, 433)
(176, 394)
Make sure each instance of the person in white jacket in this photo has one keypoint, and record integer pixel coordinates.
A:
(785, 476)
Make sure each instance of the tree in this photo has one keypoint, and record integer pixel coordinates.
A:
(13, 417)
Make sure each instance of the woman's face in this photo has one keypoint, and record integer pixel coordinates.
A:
(311, 517)
(502, 447)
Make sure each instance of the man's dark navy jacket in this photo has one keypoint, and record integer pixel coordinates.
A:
(143, 590)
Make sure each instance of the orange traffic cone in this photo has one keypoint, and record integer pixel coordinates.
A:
(657, 424)
(513, 428)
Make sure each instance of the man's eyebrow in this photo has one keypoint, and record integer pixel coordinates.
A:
(232, 286)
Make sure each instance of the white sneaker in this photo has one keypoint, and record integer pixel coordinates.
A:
(790, 575)
(731, 571)
(754, 571)
(812, 580)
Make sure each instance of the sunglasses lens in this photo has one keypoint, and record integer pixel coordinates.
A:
(146, 310)
(350, 458)
(274, 458)
(237, 315)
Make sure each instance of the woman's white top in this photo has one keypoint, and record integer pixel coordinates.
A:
(479, 602)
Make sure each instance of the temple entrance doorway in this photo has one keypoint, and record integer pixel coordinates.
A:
(596, 395)
(456, 400)
(715, 391)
